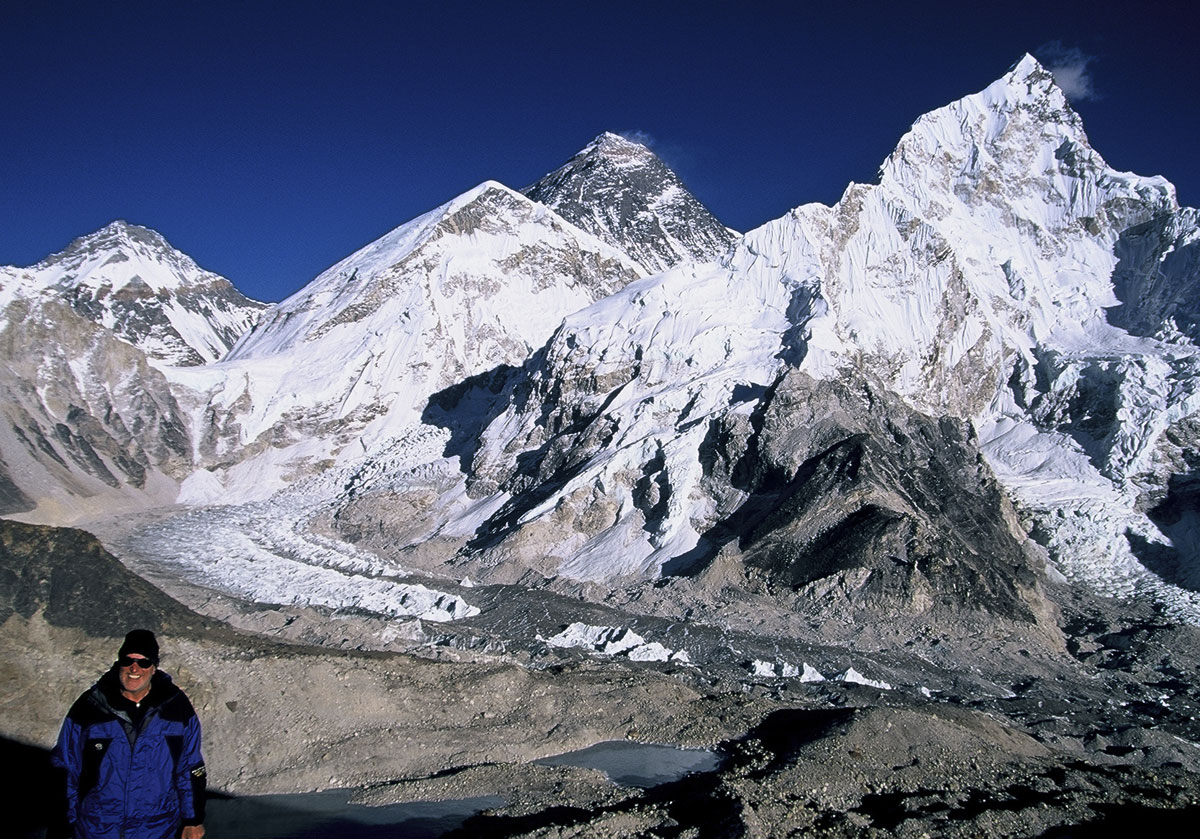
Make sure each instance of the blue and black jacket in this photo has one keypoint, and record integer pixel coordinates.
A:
(132, 772)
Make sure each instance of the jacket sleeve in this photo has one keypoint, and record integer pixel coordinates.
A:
(67, 759)
(190, 774)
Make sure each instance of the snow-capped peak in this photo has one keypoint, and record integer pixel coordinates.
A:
(130, 280)
(118, 254)
(477, 234)
(1028, 70)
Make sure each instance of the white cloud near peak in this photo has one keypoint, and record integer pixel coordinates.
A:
(1069, 66)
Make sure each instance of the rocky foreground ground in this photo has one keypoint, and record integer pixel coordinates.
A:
(1021, 739)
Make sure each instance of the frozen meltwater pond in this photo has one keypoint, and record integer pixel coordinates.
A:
(329, 815)
(638, 764)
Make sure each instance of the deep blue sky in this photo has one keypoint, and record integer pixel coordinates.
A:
(269, 140)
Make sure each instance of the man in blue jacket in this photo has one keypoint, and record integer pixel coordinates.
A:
(130, 749)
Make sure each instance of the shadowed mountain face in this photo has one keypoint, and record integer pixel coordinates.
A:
(828, 486)
(849, 487)
(1156, 275)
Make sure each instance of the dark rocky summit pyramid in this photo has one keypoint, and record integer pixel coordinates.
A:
(620, 191)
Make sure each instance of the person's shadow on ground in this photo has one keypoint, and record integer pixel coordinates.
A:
(31, 798)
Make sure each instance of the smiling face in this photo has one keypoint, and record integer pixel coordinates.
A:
(134, 678)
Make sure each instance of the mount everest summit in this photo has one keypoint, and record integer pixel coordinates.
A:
(620, 192)
(984, 362)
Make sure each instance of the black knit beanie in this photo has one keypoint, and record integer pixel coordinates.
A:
(140, 642)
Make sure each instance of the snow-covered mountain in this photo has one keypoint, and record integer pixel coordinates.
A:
(471, 269)
(620, 191)
(986, 277)
(469, 289)
(975, 281)
(129, 280)
(92, 425)
(985, 358)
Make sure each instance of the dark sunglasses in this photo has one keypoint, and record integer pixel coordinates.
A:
(128, 661)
